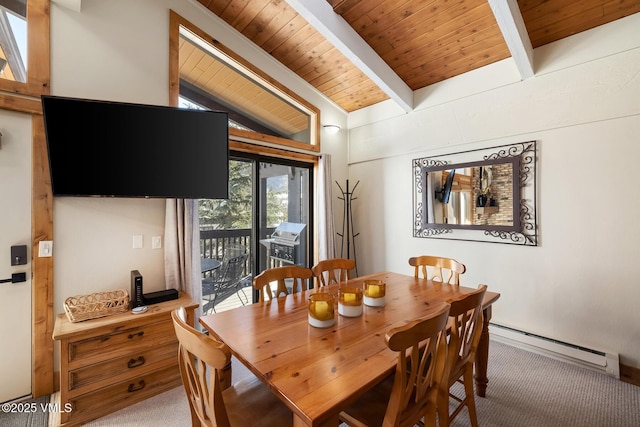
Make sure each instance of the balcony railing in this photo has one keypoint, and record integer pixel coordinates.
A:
(215, 243)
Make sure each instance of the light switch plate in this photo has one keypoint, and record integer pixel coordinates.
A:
(156, 242)
(137, 241)
(45, 248)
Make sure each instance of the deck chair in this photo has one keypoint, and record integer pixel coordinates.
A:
(438, 266)
(246, 403)
(299, 276)
(334, 270)
(465, 328)
(403, 399)
(225, 281)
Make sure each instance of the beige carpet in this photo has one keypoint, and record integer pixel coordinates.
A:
(525, 390)
(26, 413)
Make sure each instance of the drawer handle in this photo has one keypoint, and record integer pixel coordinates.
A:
(133, 387)
(134, 363)
(137, 334)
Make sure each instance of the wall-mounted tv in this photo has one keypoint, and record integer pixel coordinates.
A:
(115, 149)
(443, 194)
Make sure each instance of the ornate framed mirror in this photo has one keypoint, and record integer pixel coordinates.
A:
(486, 195)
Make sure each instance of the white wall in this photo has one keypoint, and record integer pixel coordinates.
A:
(583, 108)
(118, 50)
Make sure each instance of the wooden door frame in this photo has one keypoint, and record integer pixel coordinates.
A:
(42, 315)
(25, 98)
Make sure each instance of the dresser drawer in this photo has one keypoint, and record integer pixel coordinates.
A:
(112, 398)
(117, 369)
(120, 343)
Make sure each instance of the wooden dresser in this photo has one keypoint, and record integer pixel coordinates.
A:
(112, 362)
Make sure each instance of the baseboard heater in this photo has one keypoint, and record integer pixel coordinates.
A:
(608, 363)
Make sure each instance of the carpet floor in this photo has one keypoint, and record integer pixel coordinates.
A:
(525, 390)
(27, 413)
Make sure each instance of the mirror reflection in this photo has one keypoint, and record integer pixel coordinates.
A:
(481, 195)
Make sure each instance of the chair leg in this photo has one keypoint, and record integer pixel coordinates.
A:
(429, 419)
(195, 420)
(470, 397)
(243, 294)
(443, 405)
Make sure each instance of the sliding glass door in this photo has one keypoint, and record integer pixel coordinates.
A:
(268, 216)
(284, 210)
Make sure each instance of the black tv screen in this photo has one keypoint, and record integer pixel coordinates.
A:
(102, 148)
(446, 190)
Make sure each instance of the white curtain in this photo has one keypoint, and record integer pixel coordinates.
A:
(182, 248)
(326, 229)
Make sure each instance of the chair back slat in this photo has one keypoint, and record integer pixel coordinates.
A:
(421, 347)
(334, 270)
(299, 275)
(439, 266)
(465, 328)
(196, 351)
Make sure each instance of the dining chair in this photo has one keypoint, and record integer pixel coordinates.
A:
(404, 398)
(299, 276)
(334, 270)
(246, 403)
(438, 266)
(464, 328)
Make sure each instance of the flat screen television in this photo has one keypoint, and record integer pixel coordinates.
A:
(444, 194)
(115, 149)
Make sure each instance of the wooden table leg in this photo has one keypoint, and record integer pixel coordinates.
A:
(299, 422)
(482, 355)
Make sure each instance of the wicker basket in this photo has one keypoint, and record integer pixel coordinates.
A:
(99, 304)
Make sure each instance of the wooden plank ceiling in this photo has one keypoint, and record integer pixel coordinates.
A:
(420, 42)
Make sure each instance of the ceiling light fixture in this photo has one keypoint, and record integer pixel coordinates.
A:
(331, 129)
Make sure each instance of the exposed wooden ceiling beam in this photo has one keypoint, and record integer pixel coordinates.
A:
(515, 34)
(336, 30)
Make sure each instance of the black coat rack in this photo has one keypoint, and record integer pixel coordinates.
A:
(349, 236)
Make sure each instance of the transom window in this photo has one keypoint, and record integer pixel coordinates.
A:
(253, 101)
(13, 40)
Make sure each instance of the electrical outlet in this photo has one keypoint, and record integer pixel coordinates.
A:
(45, 248)
(18, 277)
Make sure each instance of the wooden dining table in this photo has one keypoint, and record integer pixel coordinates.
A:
(318, 372)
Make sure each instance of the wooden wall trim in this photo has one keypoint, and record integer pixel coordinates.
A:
(629, 374)
(247, 147)
(42, 280)
(17, 103)
(262, 142)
